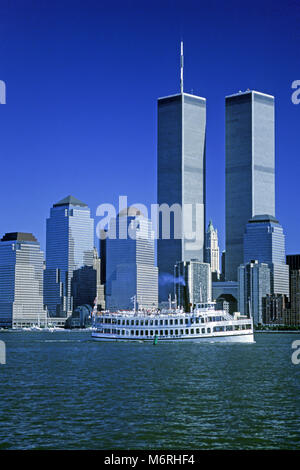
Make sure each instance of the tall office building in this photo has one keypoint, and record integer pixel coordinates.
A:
(69, 246)
(86, 285)
(294, 263)
(192, 283)
(130, 263)
(250, 168)
(181, 180)
(21, 281)
(253, 287)
(264, 241)
(212, 251)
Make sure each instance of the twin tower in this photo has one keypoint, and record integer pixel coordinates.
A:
(181, 180)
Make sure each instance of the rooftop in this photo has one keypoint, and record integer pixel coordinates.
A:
(18, 236)
(263, 218)
(70, 200)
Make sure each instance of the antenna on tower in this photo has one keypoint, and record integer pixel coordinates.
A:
(181, 67)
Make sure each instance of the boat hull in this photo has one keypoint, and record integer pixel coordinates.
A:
(237, 338)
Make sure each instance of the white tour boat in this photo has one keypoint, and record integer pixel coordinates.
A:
(203, 324)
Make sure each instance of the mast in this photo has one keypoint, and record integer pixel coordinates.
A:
(181, 67)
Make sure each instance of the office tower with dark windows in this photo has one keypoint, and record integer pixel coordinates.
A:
(21, 281)
(254, 280)
(250, 168)
(131, 274)
(86, 287)
(294, 263)
(180, 181)
(192, 283)
(69, 246)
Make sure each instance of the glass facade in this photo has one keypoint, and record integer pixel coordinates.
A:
(250, 168)
(69, 246)
(264, 241)
(21, 281)
(254, 281)
(192, 283)
(181, 179)
(130, 264)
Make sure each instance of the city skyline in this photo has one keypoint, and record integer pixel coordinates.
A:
(56, 137)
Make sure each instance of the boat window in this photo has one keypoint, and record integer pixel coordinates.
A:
(181, 321)
(197, 331)
(127, 322)
(132, 322)
(156, 322)
(166, 332)
(181, 332)
(171, 332)
(229, 328)
(171, 322)
(202, 320)
(146, 322)
(142, 322)
(176, 321)
(142, 332)
(136, 322)
(203, 330)
(176, 332)
(166, 322)
(146, 333)
(151, 322)
(118, 332)
(218, 328)
(136, 332)
(151, 332)
(161, 332)
(197, 320)
(208, 330)
(186, 332)
(156, 332)
(161, 322)
(192, 331)
(123, 322)
(132, 332)
(123, 332)
(119, 322)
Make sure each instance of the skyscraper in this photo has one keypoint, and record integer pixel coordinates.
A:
(181, 180)
(253, 287)
(192, 283)
(86, 285)
(130, 263)
(264, 241)
(212, 252)
(250, 168)
(69, 246)
(21, 281)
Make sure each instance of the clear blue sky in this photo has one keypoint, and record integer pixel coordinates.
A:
(82, 81)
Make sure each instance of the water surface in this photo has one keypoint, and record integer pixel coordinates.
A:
(62, 391)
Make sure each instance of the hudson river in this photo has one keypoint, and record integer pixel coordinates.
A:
(62, 391)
